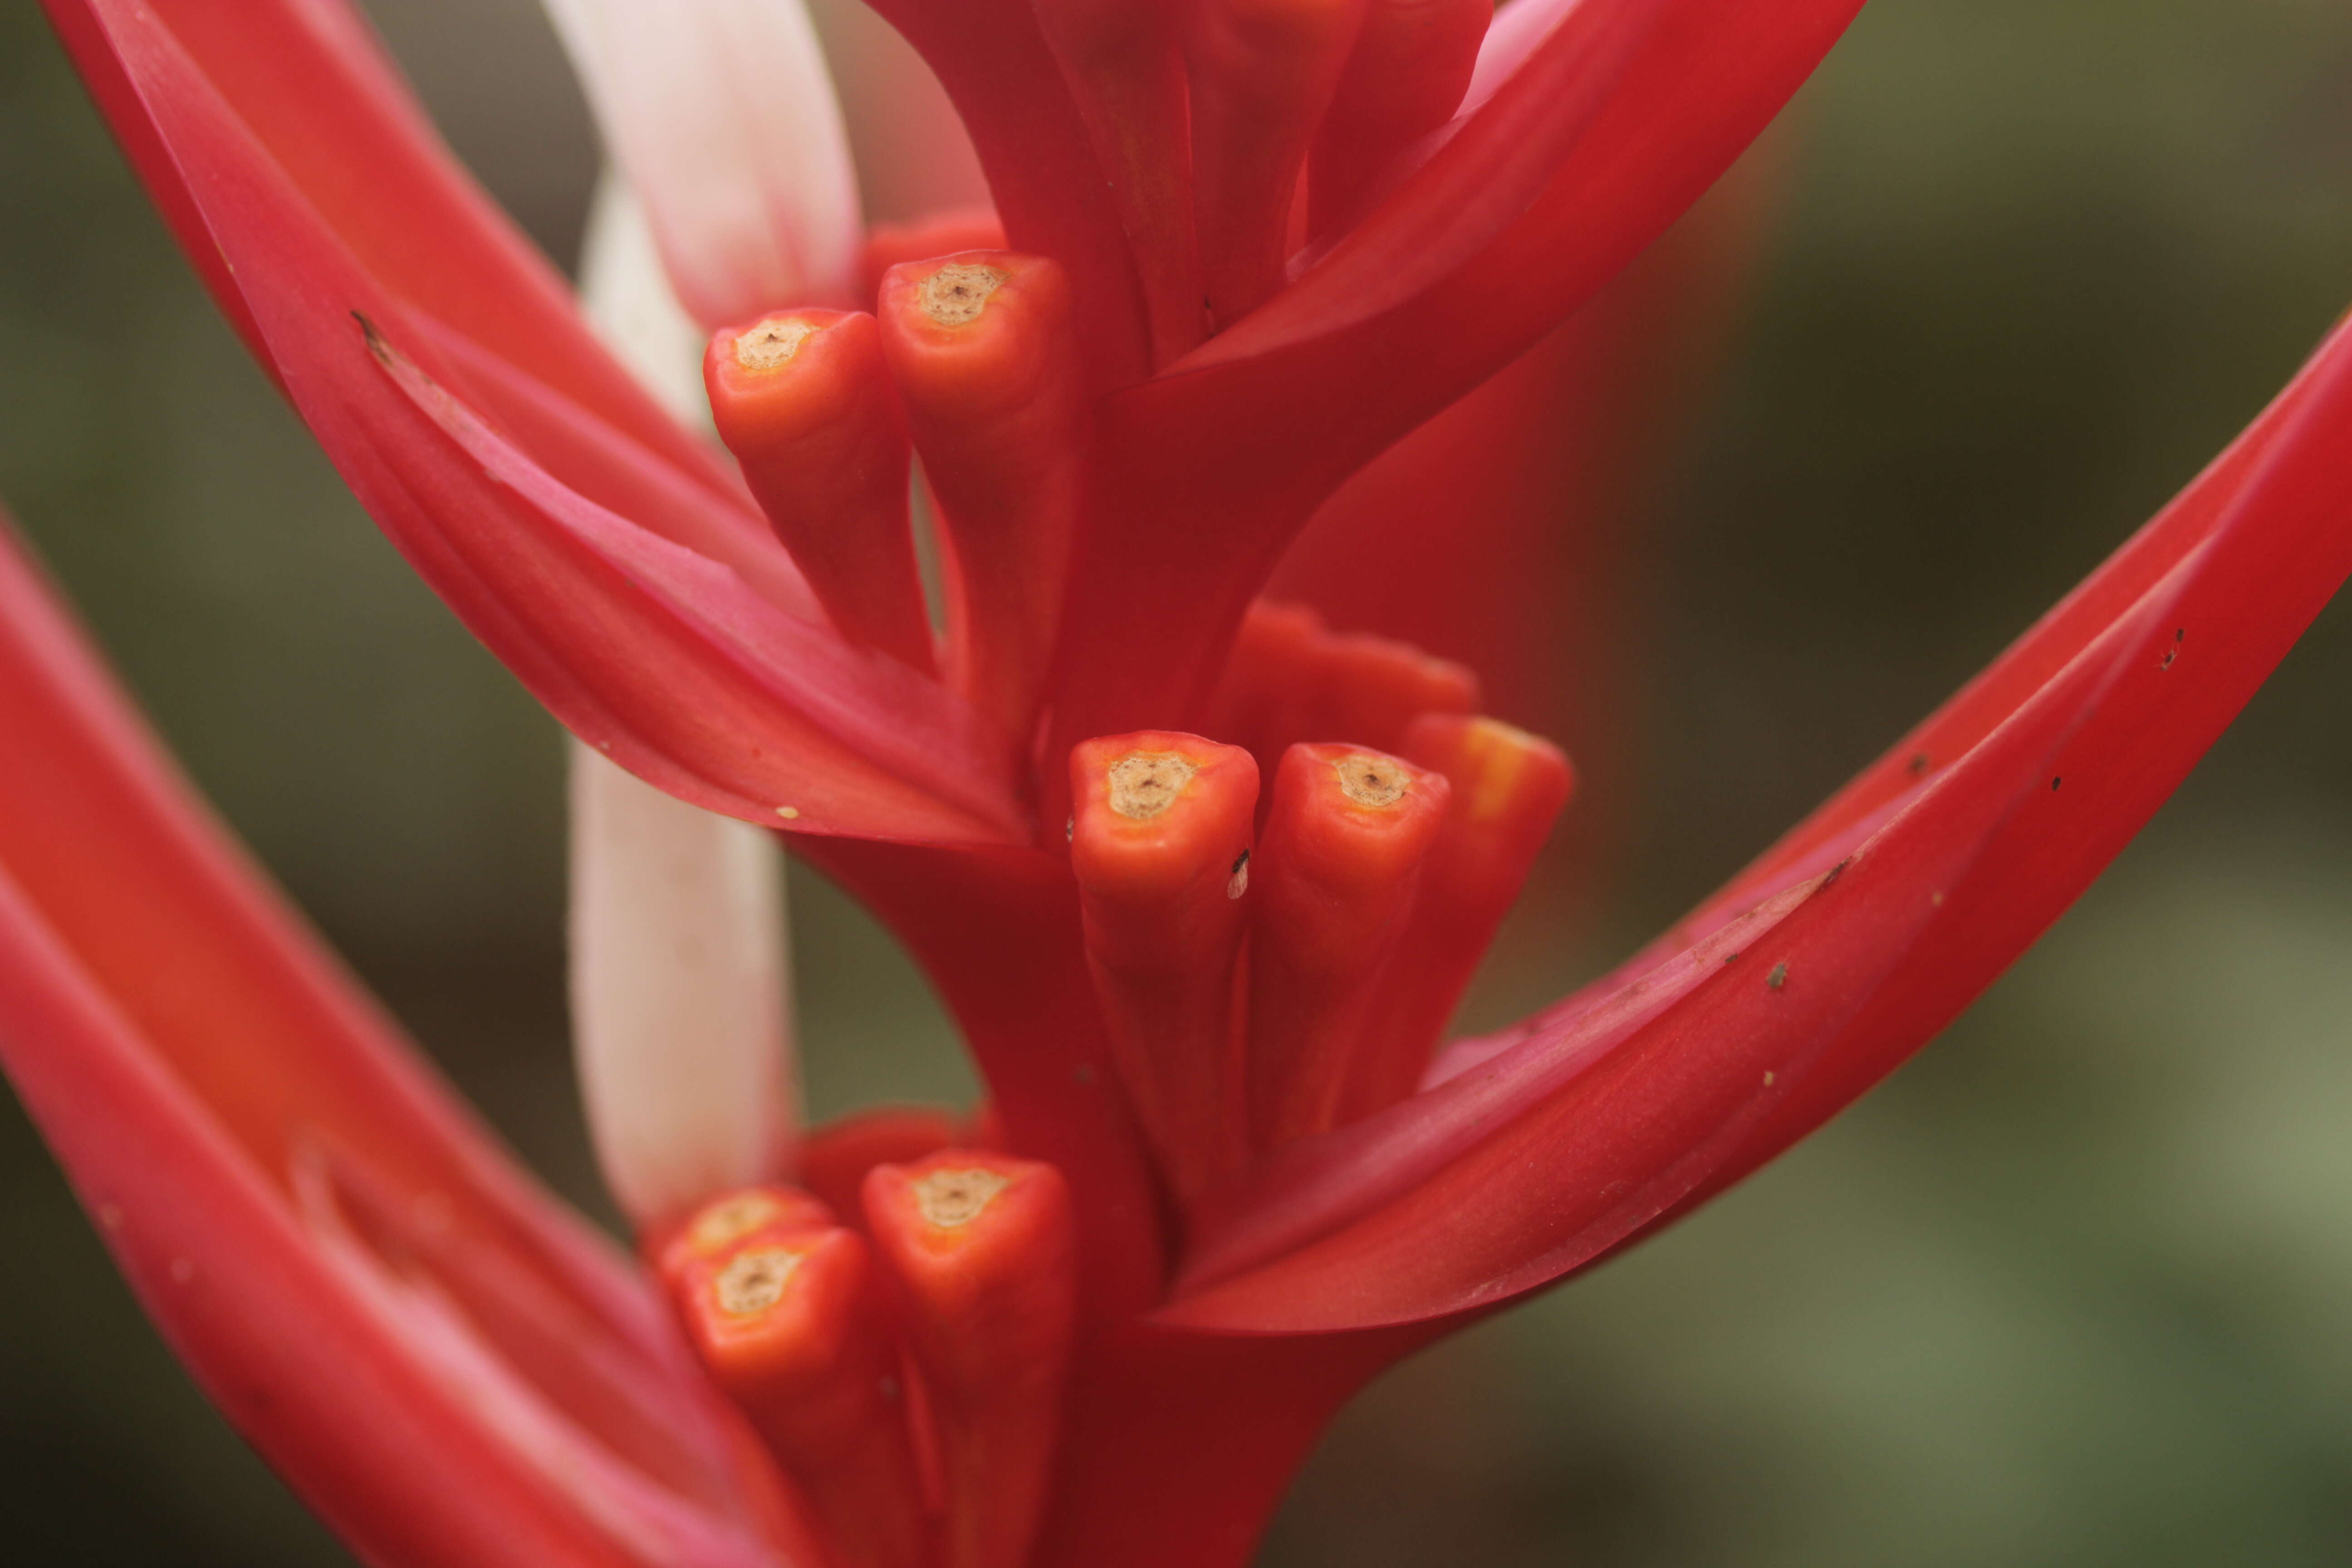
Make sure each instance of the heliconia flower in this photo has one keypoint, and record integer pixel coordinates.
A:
(1200, 875)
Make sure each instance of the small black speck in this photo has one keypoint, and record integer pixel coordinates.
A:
(1918, 762)
(2055, 781)
(1837, 870)
(1778, 977)
(1730, 958)
(1240, 861)
(2180, 634)
(2170, 654)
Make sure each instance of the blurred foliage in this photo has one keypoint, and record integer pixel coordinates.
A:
(2070, 1289)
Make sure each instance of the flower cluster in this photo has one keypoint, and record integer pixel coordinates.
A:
(1200, 876)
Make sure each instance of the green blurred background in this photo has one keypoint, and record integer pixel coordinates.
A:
(2072, 1289)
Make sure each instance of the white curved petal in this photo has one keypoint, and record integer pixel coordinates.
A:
(681, 977)
(722, 114)
(626, 293)
(680, 1002)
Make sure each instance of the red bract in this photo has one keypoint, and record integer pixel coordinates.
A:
(1200, 877)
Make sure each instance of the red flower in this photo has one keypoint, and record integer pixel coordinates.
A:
(1226, 1180)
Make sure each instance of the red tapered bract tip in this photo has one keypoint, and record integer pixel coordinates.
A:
(1124, 63)
(982, 1251)
(986, 363)
(1405, 77)
(1263, 73)
(718, 1224)
(1509, 788)
(790, 1325)
(836, 1157)
(803, 400)
(1334, 879)
(1160, 843)
(889, 245)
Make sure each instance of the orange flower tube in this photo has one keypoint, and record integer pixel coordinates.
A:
(802, 400)
(788, 1324)
(983, 1250)
(1334, 879)
(1160, 843)
(1509, 788)
(982, 346)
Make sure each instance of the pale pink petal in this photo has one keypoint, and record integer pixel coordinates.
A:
(680, 1007)
(625, 294)
(681, 983)
(722, 117)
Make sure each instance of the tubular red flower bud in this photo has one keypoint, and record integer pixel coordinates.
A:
(1404, 78)
(1508, 787)
(836, 1157)
(718, 1226)
(1334, 880)
(981, 348)
(1160, 842)
(982, 1251)
(802, 400)
(889, 245)
(1262, 72)
(1124, 62)
(791, 1326)
(1291, 679)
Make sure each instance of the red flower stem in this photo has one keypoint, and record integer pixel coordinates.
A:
(803, 401)
(1507, 788)
(1161, 846)
(1124, 63)
(1263, 71)
(1335, 878)
(1233, 1417)
(836, 1157)
(1404, 78)
(982, 349)
(791, 1326)
(982, 1251)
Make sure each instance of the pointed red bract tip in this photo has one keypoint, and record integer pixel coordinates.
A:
(836, 1157)
(982, 1251)
(1124, 64)
(1262, 72)
(1333, 882)
(1160, 843)
(789, 1324)
(1404, 78)
(1507, 788)
(802, 399)
(889, 245)
(983, 350)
